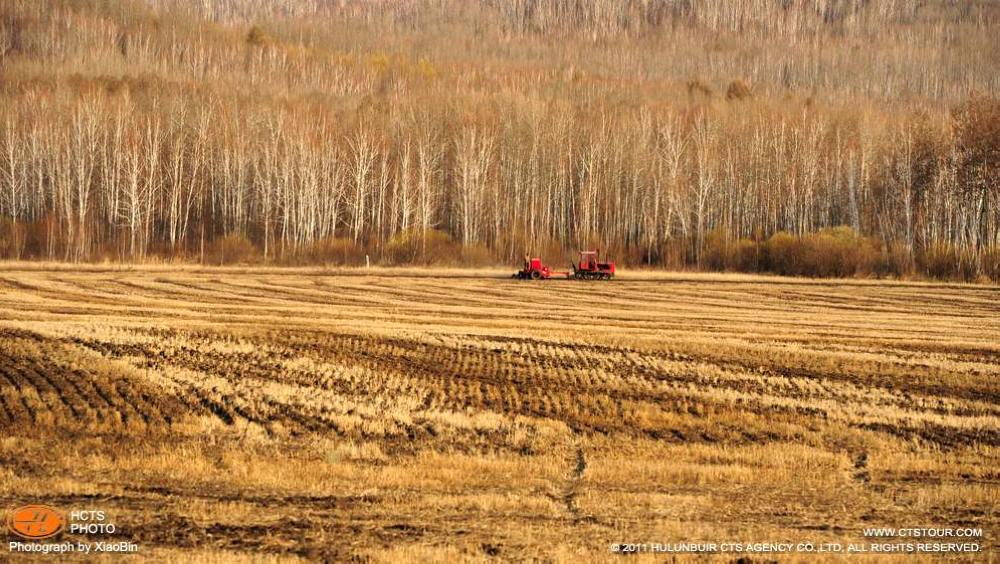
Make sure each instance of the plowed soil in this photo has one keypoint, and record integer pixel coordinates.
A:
(387, 415)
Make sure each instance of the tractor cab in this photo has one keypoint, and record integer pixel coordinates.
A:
(590, 267)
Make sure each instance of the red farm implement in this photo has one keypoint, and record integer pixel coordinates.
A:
(589, 267)
(533, 269)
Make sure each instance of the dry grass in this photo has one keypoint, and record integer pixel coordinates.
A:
(397, 415)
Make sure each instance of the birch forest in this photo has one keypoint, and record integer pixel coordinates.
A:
(817, 138)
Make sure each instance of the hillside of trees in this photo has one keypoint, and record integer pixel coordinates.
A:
(817, 138)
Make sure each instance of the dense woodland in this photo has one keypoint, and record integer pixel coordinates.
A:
(820, 137)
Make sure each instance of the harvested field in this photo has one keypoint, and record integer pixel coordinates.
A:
(401, 415)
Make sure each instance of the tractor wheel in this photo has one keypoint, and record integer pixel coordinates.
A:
(535, 275)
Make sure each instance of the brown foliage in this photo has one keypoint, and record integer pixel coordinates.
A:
(332, 250)
(990, 261)
(697, 87)
(257, 37)
(232, 249)
(722, 253)
(429, 246)
(830, 252)
(12, 239)
(476, 254)
(948, 262)
(738, 90)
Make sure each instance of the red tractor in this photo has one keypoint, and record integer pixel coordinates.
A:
(590, 267)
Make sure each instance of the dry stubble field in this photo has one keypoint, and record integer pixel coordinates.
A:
(400, 415)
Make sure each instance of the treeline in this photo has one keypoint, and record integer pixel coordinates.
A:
(135, 131)
(842, 252)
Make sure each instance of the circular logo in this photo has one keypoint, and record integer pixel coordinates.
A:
(36, 522)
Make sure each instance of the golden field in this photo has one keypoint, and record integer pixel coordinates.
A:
(449, 415)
